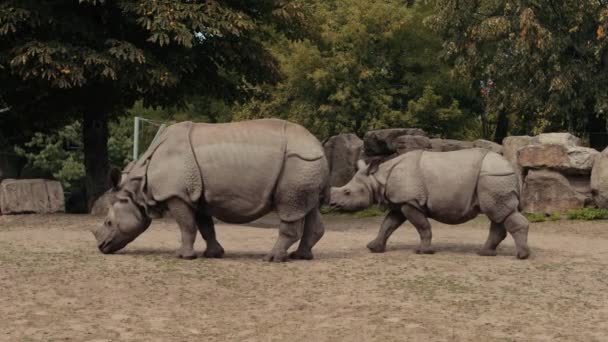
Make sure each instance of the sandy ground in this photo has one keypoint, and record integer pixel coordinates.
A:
(55, 286)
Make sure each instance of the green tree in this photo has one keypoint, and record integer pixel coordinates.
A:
(358, 69)
(92, 59)
(548, 61)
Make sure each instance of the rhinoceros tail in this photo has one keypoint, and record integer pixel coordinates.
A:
(324, 197)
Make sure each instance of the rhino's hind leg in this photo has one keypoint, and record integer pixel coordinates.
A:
(289, 233)
(423, 226)
(392, 221)
(517, 225)
(207, 229)
(313, 232)
(498, 232)
(184, 216)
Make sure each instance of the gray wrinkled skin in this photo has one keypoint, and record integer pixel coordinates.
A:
(450, 187)
(236, 172)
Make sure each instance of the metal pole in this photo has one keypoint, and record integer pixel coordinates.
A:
(158, 133)
(135, 138)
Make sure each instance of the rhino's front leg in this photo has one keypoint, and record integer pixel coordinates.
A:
(289, 233)
(391, 222)
(423, 226)
(185, 218)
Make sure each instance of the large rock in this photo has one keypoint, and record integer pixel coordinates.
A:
(512, 144)
(564, 139)
(381, 142)
(571, 160)
(447, 145)
(599, 180)
(547, 192)
(31, 196)
(342, 152)
(408, 143)
(488, 145)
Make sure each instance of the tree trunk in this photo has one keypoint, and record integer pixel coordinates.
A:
(95, 138)
(598, 132)
(502, 127)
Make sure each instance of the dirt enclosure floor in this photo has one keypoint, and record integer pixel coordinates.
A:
(56, 286)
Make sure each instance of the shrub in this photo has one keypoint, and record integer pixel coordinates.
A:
(588, 214)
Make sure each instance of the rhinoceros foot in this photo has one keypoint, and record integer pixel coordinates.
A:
(214, 251)
(187, 254)
(376, 247)
(524, 253)
(276, 256)
(301, 255)
(487, 252)
(420, 250)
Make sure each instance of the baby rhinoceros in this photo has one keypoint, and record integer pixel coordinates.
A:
(450, 187)
(236, 172)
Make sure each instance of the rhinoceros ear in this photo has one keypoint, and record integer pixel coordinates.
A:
(115, 175)
(361, 164)
(373, 166)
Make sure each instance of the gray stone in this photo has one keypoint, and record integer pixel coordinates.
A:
(381, 142)
(599, 180)
(547, 192)
(571, 160)
(408, 143)
(31, 196)
(342, 152)
(511, 146)
(488, 145)
(448, 145)
(564, 139)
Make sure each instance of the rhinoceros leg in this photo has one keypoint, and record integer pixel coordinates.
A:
(498, 233)
(392, 221)
(423, 226)
(313, 232)
(207, 229)
(517, 226)
(289, 233)
(185, 218)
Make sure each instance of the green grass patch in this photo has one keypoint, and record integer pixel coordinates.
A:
(373, 211)
(543, 217)
(588, 214)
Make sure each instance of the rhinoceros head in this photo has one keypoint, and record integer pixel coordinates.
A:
(358, 194)
(127, 217)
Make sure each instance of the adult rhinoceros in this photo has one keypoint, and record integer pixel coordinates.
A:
(450, 187)
(236, 172)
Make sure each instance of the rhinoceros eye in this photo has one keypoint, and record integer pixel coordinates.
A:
(108, 223)
(346, 192)
(123, 200)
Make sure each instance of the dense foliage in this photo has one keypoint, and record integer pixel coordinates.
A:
(548, 61)
(359, 69)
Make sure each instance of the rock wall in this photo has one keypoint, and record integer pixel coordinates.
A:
(31, 196)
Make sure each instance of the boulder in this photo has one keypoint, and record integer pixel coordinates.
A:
(571, 160)
(407, 143)
(31, 196)
(381, 142)
(342, 152)
(546, 192)
(512, 144)
(488, 145)
(599, 180)
(447, 145)
(564, 139)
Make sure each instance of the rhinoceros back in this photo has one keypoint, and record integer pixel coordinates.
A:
(240, 163)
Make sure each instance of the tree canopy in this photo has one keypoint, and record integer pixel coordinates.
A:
(92, 59)
(548, 60)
